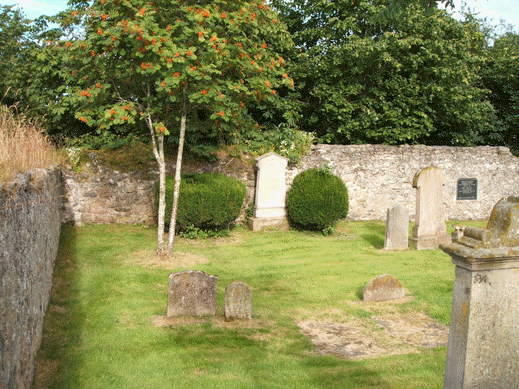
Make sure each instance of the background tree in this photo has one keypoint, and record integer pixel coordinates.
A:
(501, 76)
(157, 63)
(410, 79)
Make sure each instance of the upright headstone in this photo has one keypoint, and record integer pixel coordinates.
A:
(430, 229)
(382, 288)
(191, 293)
(238, 302)
(269, 209)
(397, 228)
(483, 350)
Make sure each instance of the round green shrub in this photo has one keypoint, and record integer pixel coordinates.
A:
(207, 201)
(317, 199)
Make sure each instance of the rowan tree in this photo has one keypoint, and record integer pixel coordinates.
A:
(156, 62)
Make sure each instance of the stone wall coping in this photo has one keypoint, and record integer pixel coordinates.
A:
(483, 259)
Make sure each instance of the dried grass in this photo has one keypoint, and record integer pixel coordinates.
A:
(23, 145)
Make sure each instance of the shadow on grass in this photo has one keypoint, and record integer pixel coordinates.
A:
(63, 320)
(377, 235)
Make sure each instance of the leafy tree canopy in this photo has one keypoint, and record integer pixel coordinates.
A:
(410, 79)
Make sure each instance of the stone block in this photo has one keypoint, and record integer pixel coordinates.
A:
(192, 293)
(382, 288)
(238, 302)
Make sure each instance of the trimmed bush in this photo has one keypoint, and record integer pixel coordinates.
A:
(207, 201)
(317, 199)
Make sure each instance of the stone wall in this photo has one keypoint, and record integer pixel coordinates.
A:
(101, 195)
(30, 223)
(377, 176)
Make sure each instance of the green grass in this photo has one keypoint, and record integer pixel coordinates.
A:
(98, 331)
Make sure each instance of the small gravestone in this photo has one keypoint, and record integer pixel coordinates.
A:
(269, 209)
(238, 302)
(430, 229)
(397, 228)
(191, 293)
(382, 288)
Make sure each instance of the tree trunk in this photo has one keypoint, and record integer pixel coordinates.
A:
(158, 152)
(178, 168)
(161, 248)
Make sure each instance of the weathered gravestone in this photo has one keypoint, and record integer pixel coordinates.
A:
(238, 302)
(382, 288)
(430, 229)
(397, 228)
(483, 350)
(191, 293)
(269, 209)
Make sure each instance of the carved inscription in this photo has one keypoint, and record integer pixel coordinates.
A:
(467, 189)
(481, 279)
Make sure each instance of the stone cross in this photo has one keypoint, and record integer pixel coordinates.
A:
(397, 228)
(382, 288)
(430, 229)
(269, 210)
(191, 293)
(483, 350)
(238, 302)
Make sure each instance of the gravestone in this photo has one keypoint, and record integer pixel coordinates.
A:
(269, 209)
(397, 228)
(483, 350)
(382, 288)
(430, 229)
(238, 302)
(191, 293)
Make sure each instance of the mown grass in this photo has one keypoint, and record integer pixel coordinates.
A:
(109, 288)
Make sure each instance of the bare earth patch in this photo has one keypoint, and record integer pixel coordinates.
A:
(149, 259)
(389, 333)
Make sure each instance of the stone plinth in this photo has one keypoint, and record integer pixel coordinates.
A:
(382, 288)
(483, 349)
(192, 293)
(269, 210)
(430, 229)
(397, 228)
(238, 302)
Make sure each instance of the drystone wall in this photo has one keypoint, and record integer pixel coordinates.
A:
(377, 176)
(100, 195)
(30, 223)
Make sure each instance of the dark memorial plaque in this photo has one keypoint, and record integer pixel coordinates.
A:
(467, 189)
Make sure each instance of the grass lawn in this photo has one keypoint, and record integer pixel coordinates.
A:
(109, 289)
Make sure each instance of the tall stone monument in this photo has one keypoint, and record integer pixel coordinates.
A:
(269, 209)
(397, 228)
(430, 229)
(483, 350)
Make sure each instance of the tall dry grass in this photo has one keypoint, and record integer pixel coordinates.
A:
(23, 146)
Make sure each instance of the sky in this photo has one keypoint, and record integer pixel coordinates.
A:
(493, 10)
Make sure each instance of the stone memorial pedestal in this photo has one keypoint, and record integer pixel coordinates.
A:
(269, 210)
(483, 350)
(429, 230)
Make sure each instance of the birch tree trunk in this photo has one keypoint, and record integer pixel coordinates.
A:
(158, 151)
(178, 169)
